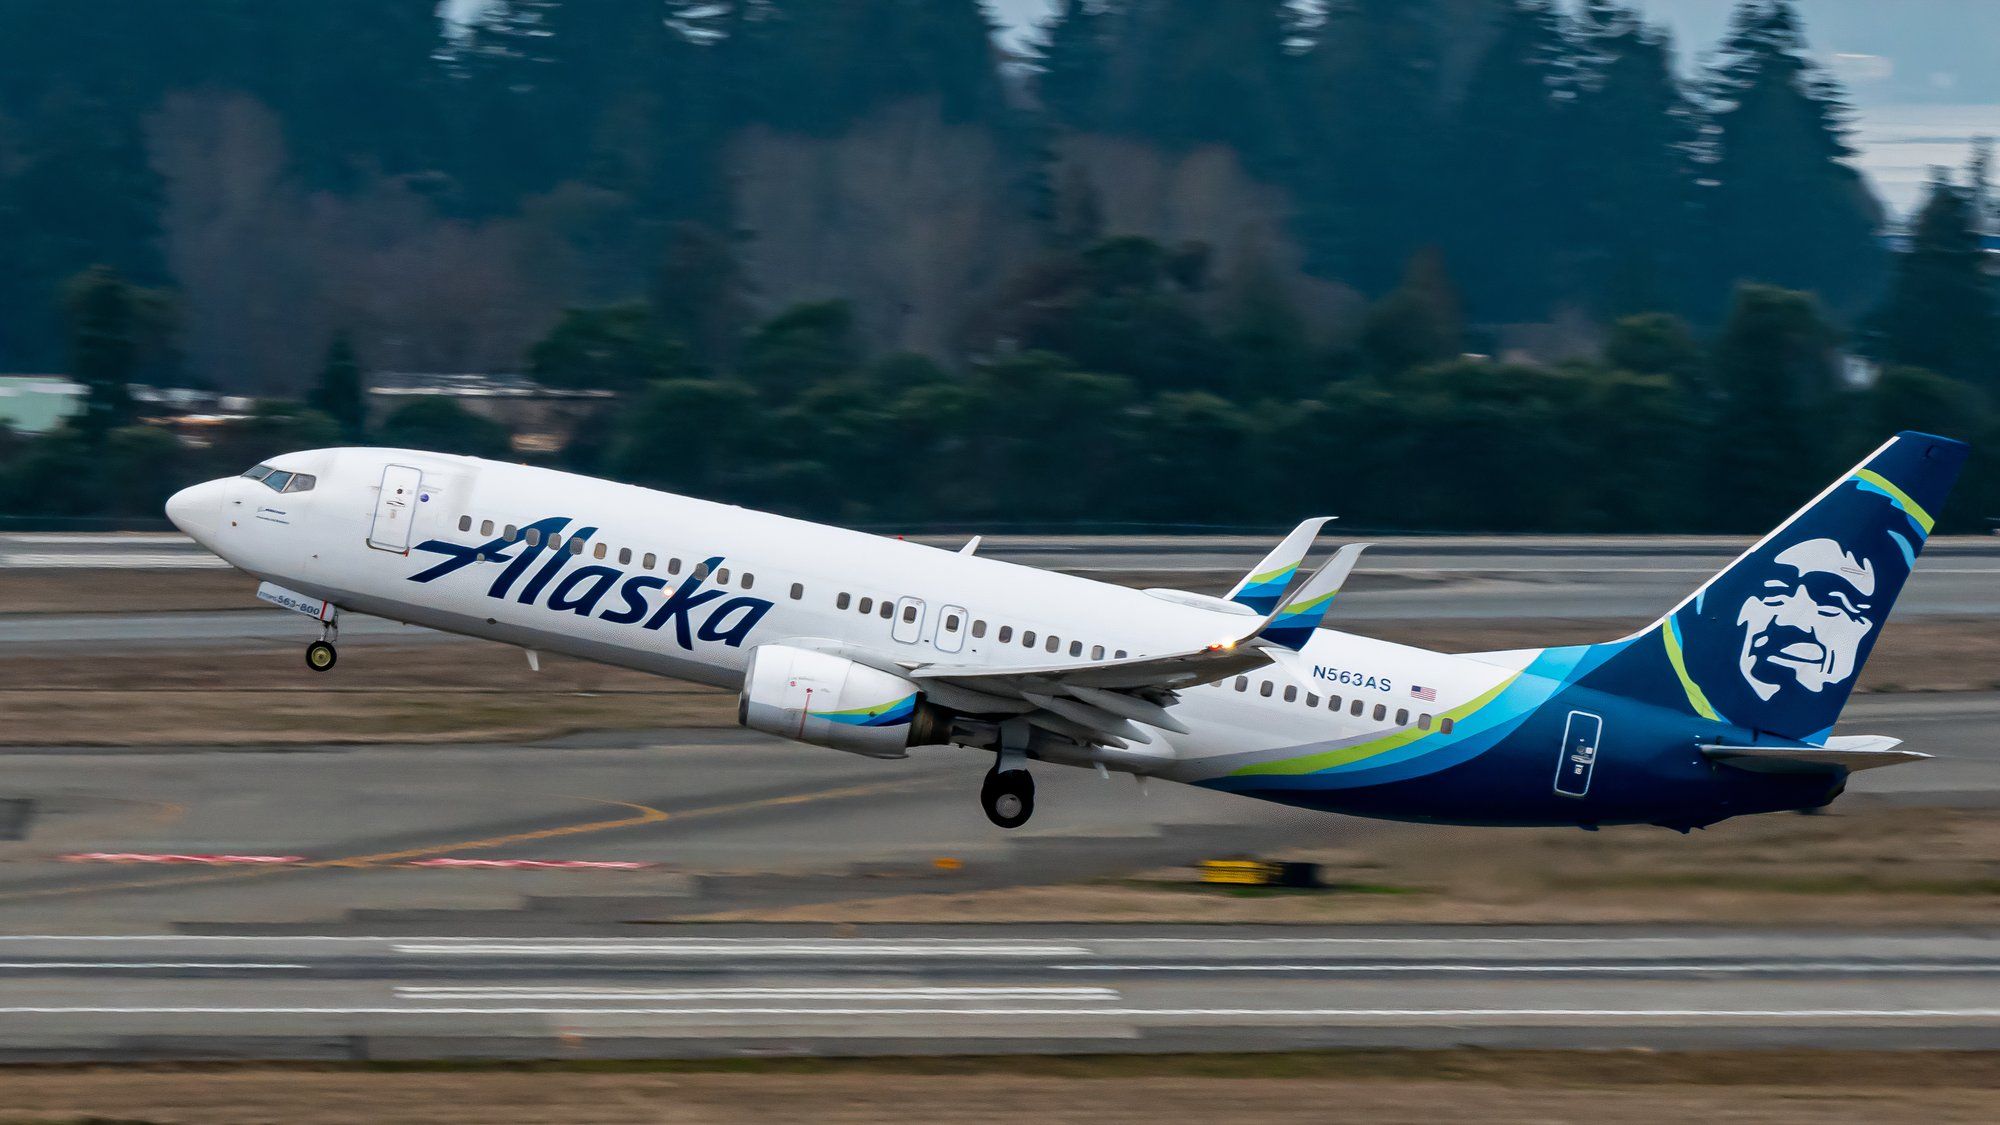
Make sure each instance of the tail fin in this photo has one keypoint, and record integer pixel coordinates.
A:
(1266, 583)
(1294, 624)
(1775, 642)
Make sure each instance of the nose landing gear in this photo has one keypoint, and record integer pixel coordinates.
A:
(320, 655)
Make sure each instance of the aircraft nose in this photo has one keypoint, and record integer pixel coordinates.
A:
(197, 510)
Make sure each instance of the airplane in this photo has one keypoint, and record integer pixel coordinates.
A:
(875, 646)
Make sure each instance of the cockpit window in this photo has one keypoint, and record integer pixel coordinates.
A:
(302, 482)
(277, 481)
(258, 472)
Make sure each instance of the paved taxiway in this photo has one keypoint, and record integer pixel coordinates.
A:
(990, 990)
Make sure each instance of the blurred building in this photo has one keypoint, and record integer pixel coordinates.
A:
(36, 404)
(541, 418)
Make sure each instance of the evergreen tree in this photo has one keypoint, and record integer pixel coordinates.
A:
(825, 65)
(1422, 322)
(106, 330)
(1191, 72)
(339, 393)
(1941, 312)
(1774, 367)
(1073, 63)
(1787, 208)
(1636, 131)
(1375, 97)
(1509, 131)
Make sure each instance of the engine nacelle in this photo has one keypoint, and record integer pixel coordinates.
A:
(831, 701)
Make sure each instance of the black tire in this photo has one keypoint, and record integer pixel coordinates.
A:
(1008, 798)
(320, 656)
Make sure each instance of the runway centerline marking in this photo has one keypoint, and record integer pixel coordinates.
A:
(1767, 1014)
(736, 949)
(477, 992)
(1674, 967)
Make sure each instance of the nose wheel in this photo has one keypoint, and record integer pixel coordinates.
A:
(320, 656)
(1008, 797)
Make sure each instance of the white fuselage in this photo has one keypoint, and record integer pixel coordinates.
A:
(813, 583)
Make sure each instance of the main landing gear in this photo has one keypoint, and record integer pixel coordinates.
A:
(320, 655)
(1008, 796)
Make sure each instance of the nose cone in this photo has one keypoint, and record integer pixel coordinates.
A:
(198, 510)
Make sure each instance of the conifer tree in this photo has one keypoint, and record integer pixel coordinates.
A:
(1787, 208)
(1074, 60)
(1941, 312)
(1191, 72)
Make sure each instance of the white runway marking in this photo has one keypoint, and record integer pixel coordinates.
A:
(152, 965)
(1785, 1014)
(475, 992)
(1579, 968)
(755, 949)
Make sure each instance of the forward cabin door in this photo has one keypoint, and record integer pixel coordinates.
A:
(396, 509)
(908, 627)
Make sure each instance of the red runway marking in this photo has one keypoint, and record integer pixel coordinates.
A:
(172, 857)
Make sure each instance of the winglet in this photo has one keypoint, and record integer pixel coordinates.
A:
(1264, 587)
(1292, 626)
(971, 546)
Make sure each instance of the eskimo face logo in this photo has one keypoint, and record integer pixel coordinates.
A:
(1808, 622)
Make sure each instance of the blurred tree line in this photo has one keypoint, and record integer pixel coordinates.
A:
(598, 192)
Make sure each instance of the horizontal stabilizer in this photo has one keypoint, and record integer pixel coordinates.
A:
(1860, 752)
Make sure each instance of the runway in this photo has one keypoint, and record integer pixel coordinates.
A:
(740, 991)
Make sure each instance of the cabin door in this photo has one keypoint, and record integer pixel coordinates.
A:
(951, 629)
(396, 509)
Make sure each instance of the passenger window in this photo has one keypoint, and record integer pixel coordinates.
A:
(673, 566)
(749, 580)
(486, 528)
(465, 523)
(511, 534)
(1333, 703)
(1264, 689)
(1402, 717)
(600, 552)
(649, 562)
(1028, 639)
(1291, 693)
(909, 614)
(887, 610)
(575, 545)
(1122, 654)
(533, 536)
(1357, 708)
(1444, 726)
(1097, 652)
(843, 601)
(978, 630)
(1381, 712)
(1054, 643)
(555, 542)
(699, 572)
(951, 623)
(867, 606)
(1076, 648)
(1312, 700)
(1006, 634)
(624, 556)
(798, 591)
(1242, 683)
(722, 576)
(1423, 722)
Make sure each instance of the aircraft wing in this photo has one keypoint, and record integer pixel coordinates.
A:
(1100, 700)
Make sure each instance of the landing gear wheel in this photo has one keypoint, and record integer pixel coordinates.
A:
(1008, 797)
(320, 656)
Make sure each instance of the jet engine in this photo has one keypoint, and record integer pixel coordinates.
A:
(827, 700)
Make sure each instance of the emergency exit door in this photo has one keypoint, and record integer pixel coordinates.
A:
(396, 509)
(1581, 736)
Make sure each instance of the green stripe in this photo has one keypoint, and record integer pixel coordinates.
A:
(1902, 498)
(1313, 763)
(1670, 635)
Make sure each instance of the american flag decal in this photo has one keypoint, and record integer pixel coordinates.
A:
(1427, 694)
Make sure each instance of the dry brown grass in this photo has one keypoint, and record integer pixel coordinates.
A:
(1862, 866)
(1385, 1086)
